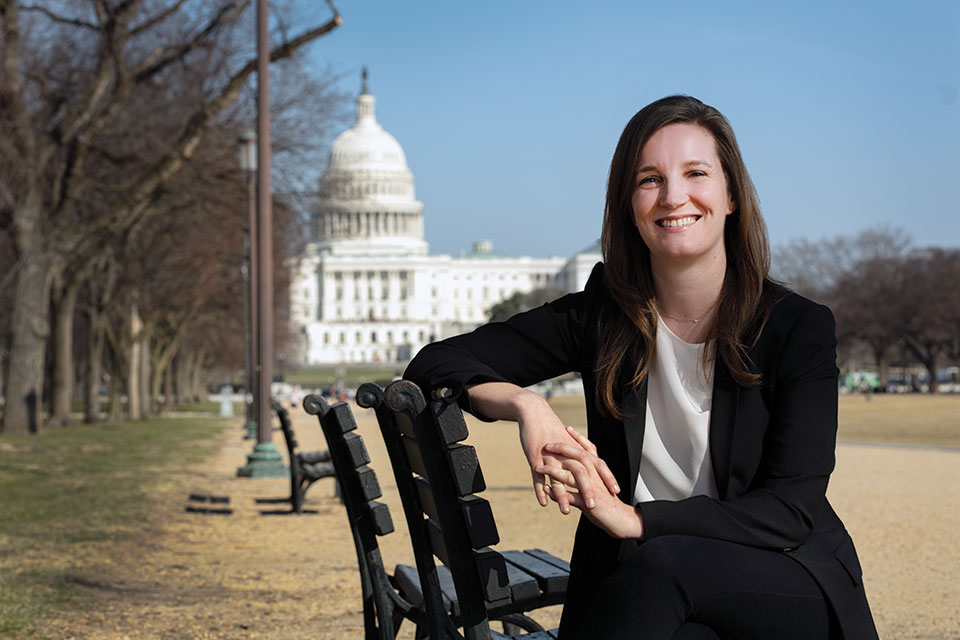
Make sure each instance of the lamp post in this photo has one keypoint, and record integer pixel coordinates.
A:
(265, 461)
(248, 164)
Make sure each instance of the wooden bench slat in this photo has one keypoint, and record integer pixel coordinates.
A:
(426, 498)
(368, 483)
(344, 417)
(480, 523)
(549, 558)
(314, 457)
(477, 513)
(552, 579)
(358, 452)
(449, 590)
(316, 471)
(453, 428)
(380, 515)
(492, 570)
(491, 567)
(465, 467)
(437, 543)
(408, 584)
(405, 425)
(413, 456)
(407, 581)
(523, 587)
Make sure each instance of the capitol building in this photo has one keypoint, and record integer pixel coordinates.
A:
(367, 290)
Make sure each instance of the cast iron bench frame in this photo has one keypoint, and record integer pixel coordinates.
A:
(305, 467)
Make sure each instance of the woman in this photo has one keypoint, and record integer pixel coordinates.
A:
(711, 397)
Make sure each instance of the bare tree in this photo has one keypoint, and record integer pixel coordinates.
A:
(867, 305)
(929, 305)
(69, 70)
(815, 267)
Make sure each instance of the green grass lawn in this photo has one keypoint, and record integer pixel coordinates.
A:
(68, 494)
(886, 418)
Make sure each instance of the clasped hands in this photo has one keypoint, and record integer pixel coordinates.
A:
(578, 477)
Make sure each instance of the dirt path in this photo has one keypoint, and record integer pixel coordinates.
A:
(260, 572)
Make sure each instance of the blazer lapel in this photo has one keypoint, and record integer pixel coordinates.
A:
(635, 406)
(723, 417)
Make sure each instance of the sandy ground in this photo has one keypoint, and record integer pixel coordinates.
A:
(261, 572)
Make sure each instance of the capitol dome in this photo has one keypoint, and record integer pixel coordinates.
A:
(366, 194)
(366, 145)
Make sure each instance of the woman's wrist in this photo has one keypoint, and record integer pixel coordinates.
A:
(527, 404)
(632, 523)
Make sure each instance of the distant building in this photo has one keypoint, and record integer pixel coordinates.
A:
(367, 289)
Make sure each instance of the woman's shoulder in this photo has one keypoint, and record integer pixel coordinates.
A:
(786, 305)
(793, 323)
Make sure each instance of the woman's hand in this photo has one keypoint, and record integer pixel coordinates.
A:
(578, 468)
(539, 425)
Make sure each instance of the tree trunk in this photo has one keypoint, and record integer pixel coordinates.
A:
(146, 397)
(931, 365)
(95, 343)
(116, 397)
(926, 351)
(168, 388)
(133, 366)
(184, 364)
(30, 326)
(162, 376)
(63, 363)
(196, 378)
(880, 356)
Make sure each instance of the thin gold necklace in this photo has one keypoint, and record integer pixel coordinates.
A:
(695, 320)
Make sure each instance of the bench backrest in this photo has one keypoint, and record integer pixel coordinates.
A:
(286, 427)
(368, 517)
(296, 473)
(438, 477)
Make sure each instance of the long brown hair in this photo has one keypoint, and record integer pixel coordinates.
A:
(628, 320)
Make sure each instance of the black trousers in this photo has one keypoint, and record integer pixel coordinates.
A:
(692, 588)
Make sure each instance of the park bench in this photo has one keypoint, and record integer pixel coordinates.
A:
(387, 600)
(438, 479)
(384, 609)
(305, 467)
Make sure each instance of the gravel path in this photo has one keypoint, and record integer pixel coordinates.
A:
(260, 572)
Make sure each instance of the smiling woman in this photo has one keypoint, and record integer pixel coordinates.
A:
(711, 395)
(682, 200)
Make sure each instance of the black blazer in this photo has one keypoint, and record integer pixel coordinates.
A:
(772, 446)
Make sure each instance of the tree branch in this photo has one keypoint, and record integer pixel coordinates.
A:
(61, 19)
(161, 57)
(11, 87)
(119, 215)
(149, 23)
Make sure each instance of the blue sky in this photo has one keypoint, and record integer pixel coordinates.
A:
(848, 114)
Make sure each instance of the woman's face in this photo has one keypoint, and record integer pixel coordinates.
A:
(681, 199)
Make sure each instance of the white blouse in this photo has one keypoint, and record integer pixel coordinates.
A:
(675, 462)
